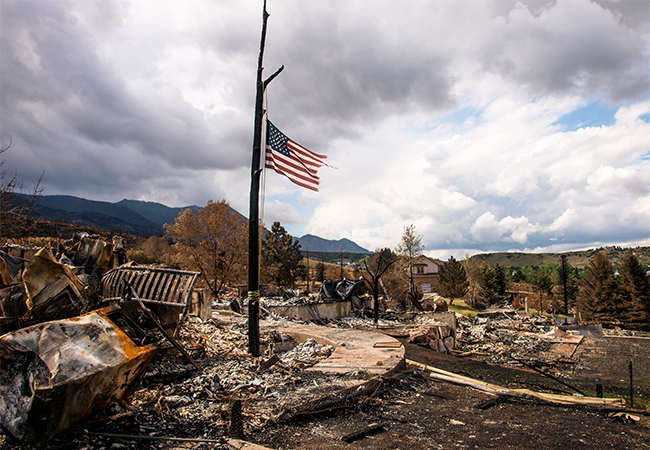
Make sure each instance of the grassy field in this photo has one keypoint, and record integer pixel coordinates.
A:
(461, 307)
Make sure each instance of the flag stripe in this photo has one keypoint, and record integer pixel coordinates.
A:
(291, 159)
(278, 162)
(306, 155)
(281, 162)
(294, 163)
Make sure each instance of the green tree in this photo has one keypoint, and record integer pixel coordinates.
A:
(528, 273)
(380, 263)
(596, 298)
(215, 241)
(453, 282)
(634, 293)
(320, 271)
(488, 282)
(281, 256)
(500, 284)
(518, 276)
(410, 249)
(543, 284)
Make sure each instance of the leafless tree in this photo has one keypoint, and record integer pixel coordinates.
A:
(410, 249)
(381, 261)
(15, 203)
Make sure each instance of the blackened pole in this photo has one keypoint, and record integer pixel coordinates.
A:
(253, 218)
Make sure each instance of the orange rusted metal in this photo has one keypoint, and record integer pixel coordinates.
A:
(55, 373)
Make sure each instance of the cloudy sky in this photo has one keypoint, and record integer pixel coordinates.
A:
(489, 125)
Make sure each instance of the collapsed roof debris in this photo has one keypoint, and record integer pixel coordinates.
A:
(40, 285)
(342, 290)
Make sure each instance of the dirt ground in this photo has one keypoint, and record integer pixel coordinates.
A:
(419, 412)
(412, 410)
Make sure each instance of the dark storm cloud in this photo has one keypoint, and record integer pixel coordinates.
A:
(60, 97)
(345, 70)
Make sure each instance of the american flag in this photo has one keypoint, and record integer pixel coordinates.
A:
(292, 160)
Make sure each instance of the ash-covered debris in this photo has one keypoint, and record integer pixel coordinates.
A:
(516, 340)
(203, 387)
(41, 284)
(177, 400)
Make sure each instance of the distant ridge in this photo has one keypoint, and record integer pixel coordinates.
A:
(579, 258)
(319, 244)
(128, 216)
(147, 219)
(96, 214)
(156, 212)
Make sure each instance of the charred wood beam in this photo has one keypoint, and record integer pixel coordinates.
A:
(541, 372)
(367, 431)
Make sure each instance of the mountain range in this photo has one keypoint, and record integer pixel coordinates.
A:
(317, 244)
(146, 219)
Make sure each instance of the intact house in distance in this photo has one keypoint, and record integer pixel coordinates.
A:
(426, 273)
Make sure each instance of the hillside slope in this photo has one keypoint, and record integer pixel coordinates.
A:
(155, 212)
(96, 214)
(578, 259)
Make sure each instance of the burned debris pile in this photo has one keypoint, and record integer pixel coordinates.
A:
(58, 372)
(96, 350)
(68, 349)
(39, 284)
(89, 336)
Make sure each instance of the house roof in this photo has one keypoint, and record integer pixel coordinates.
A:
(433, 260)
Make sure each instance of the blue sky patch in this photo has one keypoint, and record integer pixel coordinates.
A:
(462, 115)
(644, 158)
(645, 117)
(595, 114)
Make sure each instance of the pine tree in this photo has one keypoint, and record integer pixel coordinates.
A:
(281, 256)
(543, 284)
(500, 284)
(597, 297)
(453, 281)
(634, 292)
(488, 282)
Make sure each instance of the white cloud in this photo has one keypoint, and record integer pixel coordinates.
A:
(488, 228)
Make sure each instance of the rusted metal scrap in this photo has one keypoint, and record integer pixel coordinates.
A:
(154, 320)
(10, 268)
(167, 292)
(45, 279)
(55, 373)
(93, 253)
